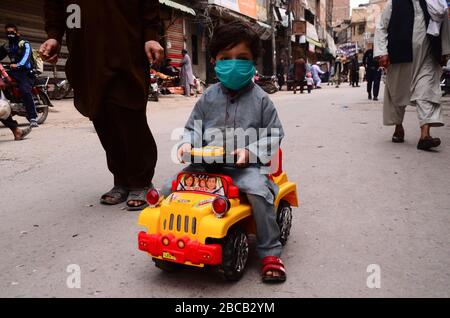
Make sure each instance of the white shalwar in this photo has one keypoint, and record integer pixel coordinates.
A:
(416, 83)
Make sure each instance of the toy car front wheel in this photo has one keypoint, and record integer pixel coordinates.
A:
(234, 255)
(284, 220)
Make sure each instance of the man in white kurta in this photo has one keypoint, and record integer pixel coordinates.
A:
(416, 83)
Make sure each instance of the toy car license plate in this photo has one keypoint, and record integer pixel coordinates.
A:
(167, 255)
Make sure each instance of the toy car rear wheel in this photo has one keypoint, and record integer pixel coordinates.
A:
(284, 220)
(166, 266)
(235, 250)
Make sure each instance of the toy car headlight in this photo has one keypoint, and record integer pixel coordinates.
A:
(154, 197)
(221, 205)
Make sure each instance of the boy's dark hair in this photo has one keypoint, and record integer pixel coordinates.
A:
(227, 36)
(11, 26)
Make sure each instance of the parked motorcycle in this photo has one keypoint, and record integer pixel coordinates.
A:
(268, 83)
(40, 96)
(61, 89)
(445, 81)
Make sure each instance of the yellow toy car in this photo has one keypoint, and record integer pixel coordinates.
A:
(205, 221)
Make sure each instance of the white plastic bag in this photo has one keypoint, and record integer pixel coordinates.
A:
(5, 107)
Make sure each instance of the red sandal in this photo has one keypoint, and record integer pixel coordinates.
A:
(273, 264)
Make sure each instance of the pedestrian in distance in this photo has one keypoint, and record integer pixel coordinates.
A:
(338, 68)
(411, 39)
(186, 76)
(374, 73)
(309, 82)
(354, 71)
(299, 74)
(316, 72)
(331, 75)
(281, 73)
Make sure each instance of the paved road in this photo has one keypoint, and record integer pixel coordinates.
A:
(364, 201)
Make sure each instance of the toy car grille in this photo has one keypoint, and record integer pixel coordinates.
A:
(176, 223)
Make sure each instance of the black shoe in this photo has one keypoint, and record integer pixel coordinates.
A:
(370, 96)
(375, 98)
(398, 138)
(428, 142)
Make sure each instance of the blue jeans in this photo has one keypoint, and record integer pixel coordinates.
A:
(25, 86)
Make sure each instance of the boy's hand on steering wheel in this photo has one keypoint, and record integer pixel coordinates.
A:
(243, 157)
(185, 148)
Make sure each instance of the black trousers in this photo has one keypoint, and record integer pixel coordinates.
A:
(25, 86)
(301, 84)
(373, 82)
(10, 123)
(131, 151)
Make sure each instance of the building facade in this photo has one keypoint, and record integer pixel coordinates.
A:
(340, 12)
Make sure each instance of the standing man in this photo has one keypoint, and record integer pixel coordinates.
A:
(299, 74)
(108, 68)
(281, 72)
(338, 68)
(187, 76)
(412, 58)
(373, 73)
(354, 71)
(21, 54)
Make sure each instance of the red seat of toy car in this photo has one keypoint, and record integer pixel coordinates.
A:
(276, 165)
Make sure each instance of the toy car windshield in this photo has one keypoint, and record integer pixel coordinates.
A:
(202, 183)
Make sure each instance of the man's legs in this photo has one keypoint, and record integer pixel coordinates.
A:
(376, 84)
(430, 115)
(25, 87)
(370, 80)
(394, 115)
(187, 89)
(318, 83)
(131, 150)
(19, 134)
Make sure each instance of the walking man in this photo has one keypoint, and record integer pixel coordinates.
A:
(373, 73)
(411, 51)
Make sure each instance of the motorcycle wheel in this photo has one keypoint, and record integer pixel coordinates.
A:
(271, 89)
(43, 111)
(61, 91)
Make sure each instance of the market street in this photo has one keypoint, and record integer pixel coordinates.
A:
(364, 200)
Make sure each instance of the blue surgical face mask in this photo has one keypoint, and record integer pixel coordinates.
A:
(235, 74)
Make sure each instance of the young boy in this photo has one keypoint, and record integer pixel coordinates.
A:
(236, 103)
